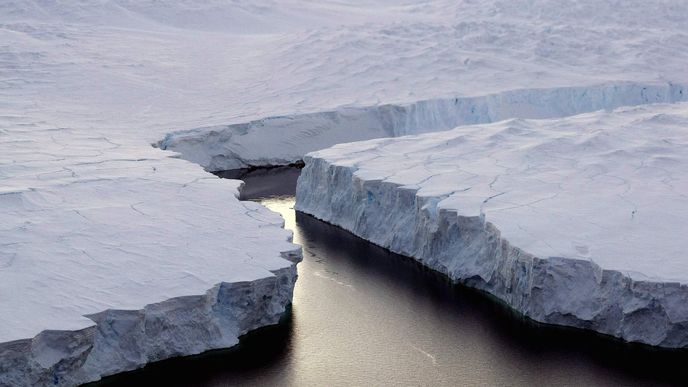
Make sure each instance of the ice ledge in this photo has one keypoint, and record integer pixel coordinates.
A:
(123, 340)
(435, 198)
(286, 139)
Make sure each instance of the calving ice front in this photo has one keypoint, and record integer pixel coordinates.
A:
(114, 254)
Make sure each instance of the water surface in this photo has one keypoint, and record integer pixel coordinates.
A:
(364, 316)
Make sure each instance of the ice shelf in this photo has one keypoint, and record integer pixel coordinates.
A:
(113, 256)
(578, 221)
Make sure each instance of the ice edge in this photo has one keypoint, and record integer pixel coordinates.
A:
(125, 340)
(554, 290)
(283, 140)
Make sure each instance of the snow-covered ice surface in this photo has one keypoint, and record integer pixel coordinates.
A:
(149, 68)
(578, 221)
(87, 85)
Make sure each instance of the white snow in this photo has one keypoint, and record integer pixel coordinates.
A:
(507, 206)
(86, 87)
(146, 68)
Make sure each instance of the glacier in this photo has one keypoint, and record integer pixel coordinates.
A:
(577, 221)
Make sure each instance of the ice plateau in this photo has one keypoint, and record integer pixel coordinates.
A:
(578, 221)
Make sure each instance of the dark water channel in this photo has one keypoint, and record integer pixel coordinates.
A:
(365, 317)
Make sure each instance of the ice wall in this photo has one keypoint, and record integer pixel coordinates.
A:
(575, 222)
(284, 140)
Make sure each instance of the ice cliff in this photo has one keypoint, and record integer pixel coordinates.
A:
(286, 139)
(577, 222)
